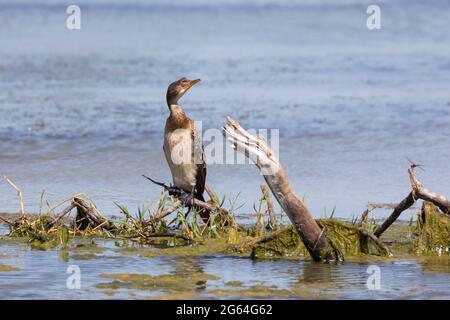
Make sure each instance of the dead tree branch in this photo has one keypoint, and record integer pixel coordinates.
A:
(166, 211)
(19, 192)
(196, 202)
(419, 191)
(63, 214)
(258, 151)
(86, 216)
(402, 206)
(10, 223)
(270, 210)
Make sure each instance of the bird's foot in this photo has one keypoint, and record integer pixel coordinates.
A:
(174, 191)
(187, 199)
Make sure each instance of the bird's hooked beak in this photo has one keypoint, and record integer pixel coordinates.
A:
(187, 85)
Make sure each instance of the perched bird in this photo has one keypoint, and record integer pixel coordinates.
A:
(183, 148)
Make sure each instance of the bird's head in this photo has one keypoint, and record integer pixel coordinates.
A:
(177, 89)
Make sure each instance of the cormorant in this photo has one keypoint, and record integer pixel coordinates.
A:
(183, 148)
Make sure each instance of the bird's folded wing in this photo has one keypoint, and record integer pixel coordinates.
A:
(199, 160)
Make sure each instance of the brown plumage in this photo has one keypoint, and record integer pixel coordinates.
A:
(182, 145)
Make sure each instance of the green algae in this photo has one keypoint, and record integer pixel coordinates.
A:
(234, 283)
(169, 283)
(188, 281)
(90, 256)
(433, 230)
(430, 238)
(282, 243)
(109, 293)
(43, 245)
(439, 264)
(261, 292)
(207, 247)
(7, 268)
(90, 248)
(194, 285)
(349, 239)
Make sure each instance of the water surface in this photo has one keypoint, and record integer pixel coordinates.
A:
(83, 111)
(44, 275)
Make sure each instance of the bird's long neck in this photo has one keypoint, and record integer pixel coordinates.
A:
(178, 118)
(171, 100)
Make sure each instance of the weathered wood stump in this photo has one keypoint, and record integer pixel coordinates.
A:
(258, 151)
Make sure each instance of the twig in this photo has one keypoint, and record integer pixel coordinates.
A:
(41, 202)
(212, 195)
(363, 220)
(19, 192)
(196, 202)
(266, 195)
(63, 213)
(377, 241)
(418, 192)
(167, 211)
(6, 221)
(165, 234)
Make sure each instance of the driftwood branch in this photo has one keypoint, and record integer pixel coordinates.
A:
(363, 221)
(86, 216)
(212, 195)
(377, 242)
(166, 211)
(270, 210)
(177, 204)
(420, 192)
(65, 212)
(10, 223)
(20, 194)
(402, 206)
(259, 152)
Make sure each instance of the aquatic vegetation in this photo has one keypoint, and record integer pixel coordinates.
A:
(187, 233)
(260, 291)
(433, 229)
(350, 239)
(169, 283)
(7, 268)
(233, 283)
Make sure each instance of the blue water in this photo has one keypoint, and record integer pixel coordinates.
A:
(44, 274)
(83, 111)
